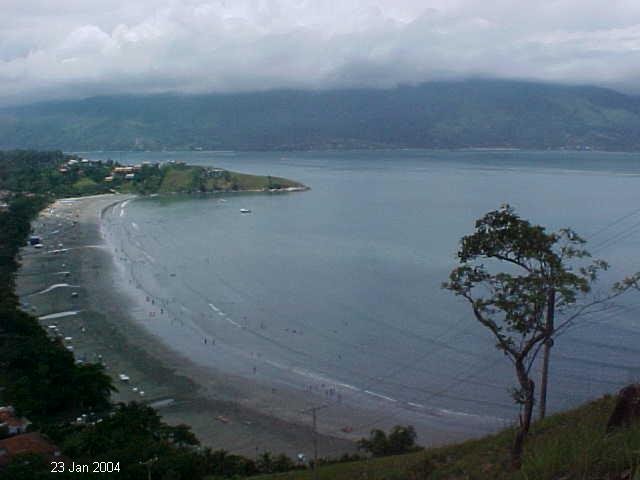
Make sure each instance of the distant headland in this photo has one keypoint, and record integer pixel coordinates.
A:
(60, 175)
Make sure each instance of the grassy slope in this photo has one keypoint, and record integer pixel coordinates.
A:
(193, 179)
(179, 180)
(570, 445)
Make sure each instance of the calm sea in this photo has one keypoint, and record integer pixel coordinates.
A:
(337, 290)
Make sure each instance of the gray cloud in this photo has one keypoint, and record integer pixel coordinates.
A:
(75, 48)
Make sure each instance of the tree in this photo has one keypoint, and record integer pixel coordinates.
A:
(93, 386)
(400, 440)
(265, 463)
(376, 444)
(533, 279)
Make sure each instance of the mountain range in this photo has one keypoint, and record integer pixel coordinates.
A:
(453, 114)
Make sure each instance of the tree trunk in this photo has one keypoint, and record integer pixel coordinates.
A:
(528, 389)
(544, 378)
(548, 343)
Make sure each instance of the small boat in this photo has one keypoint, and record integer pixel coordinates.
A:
(245, 210)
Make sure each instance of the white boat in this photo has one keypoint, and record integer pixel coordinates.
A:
(123, 377)
(245, 210)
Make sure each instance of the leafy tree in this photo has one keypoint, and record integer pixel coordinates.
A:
(400, 440)
(282, 463)
(515, 275)
(37, 375)
(135, 436)
(25, 467)
(265, 463)
(40, 378)
(222, 463)
(93, 385)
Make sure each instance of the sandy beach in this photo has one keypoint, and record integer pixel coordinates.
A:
(72, 285)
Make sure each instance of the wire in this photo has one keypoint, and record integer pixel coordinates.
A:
(616, 238)
(615, 222)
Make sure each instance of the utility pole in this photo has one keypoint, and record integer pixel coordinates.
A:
(313, 411)
(148, 464)
(548, 343)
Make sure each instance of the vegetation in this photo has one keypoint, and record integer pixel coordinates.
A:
(570, 445)
(55, 174)
(516, 277)
(39, 376)
(400, 440)
(433, 115)
(188, 178)
(39, 172)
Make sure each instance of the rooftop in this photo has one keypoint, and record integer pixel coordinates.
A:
(32, 442)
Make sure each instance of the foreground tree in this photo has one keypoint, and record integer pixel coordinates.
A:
(517, 279)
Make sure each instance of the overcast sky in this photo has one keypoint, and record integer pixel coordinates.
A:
(77, 48)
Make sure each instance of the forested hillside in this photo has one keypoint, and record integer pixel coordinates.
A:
(433, 115)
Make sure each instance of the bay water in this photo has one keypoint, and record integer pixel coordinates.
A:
(337, 291)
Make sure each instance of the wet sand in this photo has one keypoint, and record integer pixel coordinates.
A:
(72, 284)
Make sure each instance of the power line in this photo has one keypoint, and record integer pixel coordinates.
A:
(314, 411)
(616, 238)
(440, 393)
(445, 392)
(611, 224)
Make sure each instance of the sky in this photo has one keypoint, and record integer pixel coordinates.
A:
(57, 49)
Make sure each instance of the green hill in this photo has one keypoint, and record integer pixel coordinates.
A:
(56, 174)
(433, 115)
(188, 178)
(569, 446)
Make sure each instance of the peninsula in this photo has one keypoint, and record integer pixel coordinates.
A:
(62, 175)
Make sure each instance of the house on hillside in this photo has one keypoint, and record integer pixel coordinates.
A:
(33, 442)
(214, 172)
(124, 170)
(14, 425)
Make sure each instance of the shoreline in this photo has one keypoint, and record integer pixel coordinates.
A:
(104, 328)
(303, 188)
(111, 322)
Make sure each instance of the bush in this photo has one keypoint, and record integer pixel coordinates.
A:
(400, 440)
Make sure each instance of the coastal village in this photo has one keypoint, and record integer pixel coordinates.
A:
(15, 440)
(88, 177)
(127, 172)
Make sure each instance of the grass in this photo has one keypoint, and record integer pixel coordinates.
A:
(185, 178)
(258, 182)
(179, 180)
(86, 186)
(570, 445)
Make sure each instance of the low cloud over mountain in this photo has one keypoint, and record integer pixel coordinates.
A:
(79, 48)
